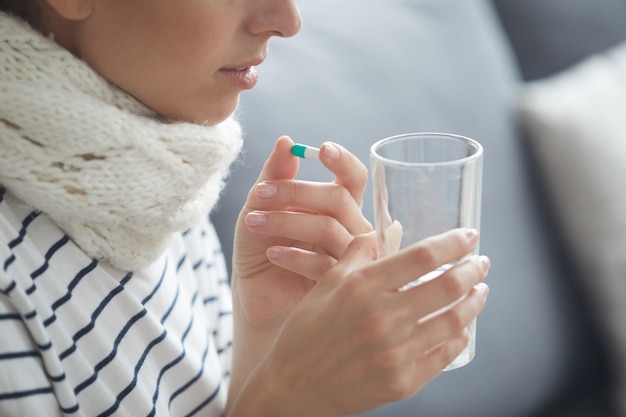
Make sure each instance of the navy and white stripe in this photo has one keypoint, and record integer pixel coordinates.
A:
(81, 338)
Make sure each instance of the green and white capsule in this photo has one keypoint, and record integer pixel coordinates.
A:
(306, 152)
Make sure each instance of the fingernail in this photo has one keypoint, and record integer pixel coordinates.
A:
(256, 219)
(471, 235)
(274, 253)
(265, 190)
(485, 263)
(331, 151)
(482, 288)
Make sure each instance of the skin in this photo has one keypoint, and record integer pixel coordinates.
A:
(140, 45)
(316, 314)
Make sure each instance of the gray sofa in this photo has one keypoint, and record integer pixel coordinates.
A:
(361, 70)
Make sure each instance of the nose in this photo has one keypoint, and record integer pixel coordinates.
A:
(275, 18)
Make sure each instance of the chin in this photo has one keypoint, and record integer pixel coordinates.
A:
(212, 115)
(199, 113)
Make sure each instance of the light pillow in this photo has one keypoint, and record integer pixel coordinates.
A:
(576, 124)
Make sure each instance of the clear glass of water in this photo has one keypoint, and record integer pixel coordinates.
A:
(425, 184)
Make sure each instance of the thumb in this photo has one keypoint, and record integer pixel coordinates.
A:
(281, 164)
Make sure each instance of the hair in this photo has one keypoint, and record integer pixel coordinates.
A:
(28, 10)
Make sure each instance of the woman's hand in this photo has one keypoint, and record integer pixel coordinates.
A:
(312, 223)
(283, 217)
(357, 342)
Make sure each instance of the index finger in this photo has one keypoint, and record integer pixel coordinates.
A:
(425, 256)
(349, 171)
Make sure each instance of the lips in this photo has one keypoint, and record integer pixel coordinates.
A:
(243, 76)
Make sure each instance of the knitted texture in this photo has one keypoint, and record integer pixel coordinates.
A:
(114, 177)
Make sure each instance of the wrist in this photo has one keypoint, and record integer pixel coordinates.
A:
(251, 345)
(268, 393)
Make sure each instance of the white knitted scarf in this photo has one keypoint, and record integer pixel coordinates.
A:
(109, 173)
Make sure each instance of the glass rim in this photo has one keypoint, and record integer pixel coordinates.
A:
(475, 145)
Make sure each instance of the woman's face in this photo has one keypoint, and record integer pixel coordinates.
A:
(186, 59)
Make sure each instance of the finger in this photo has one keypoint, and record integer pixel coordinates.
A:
(324, 198)
(311, 265)
(349, 171)
(321, 231)
(425, 256)
(447, 288)
(446, 324)
(433, 362)
(361, 250)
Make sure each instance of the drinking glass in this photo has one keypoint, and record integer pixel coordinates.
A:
(425, 184)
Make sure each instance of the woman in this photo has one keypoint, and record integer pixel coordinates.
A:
(115, 136)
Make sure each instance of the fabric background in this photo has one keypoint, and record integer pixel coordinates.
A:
(550, 35)
(577, 130)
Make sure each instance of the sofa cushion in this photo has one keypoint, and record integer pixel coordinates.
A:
(361, 70)
(577, 128)
(550, 35)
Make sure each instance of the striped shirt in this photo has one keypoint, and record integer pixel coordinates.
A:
(81, 338)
